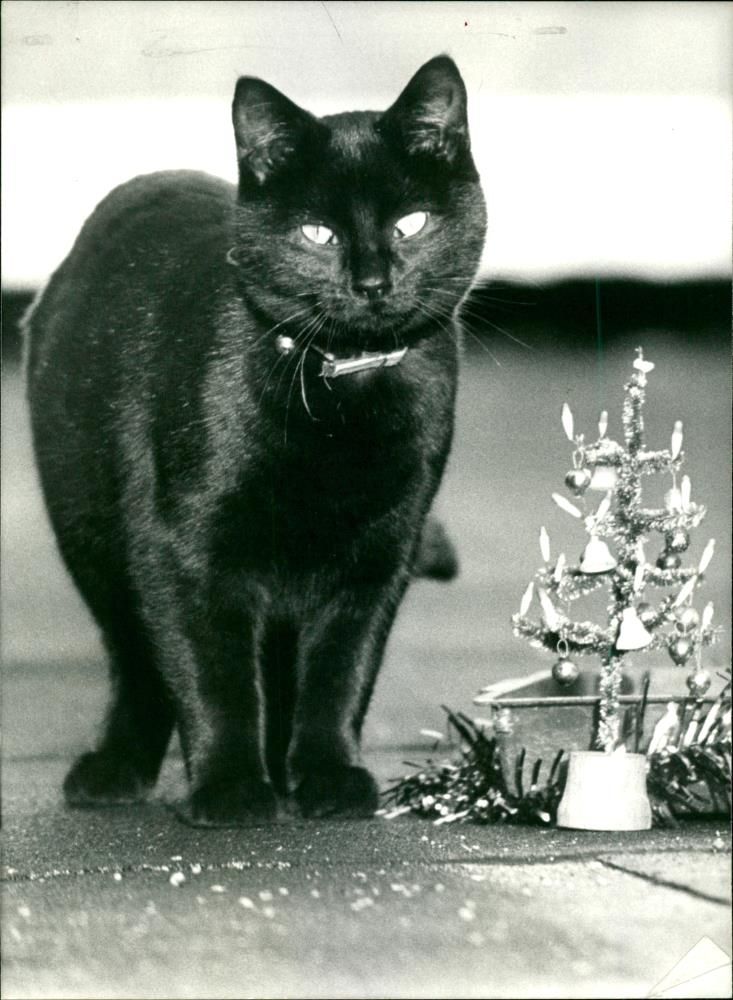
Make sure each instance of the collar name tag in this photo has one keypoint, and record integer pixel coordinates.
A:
(334, 367)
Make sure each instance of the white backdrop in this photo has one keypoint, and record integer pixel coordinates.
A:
(602, 131)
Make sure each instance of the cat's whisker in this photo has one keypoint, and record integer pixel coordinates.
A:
(440, 319)
(467, 311)
(507, 334)
(309, 334)
(302, 368)
(284, 358)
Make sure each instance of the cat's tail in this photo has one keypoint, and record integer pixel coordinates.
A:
(436, 555)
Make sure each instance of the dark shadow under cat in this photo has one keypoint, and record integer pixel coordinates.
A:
(241, 517)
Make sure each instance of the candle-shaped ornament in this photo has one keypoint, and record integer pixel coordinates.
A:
(567, 421)
(549, 611)
(685, 592)
(526, 599)
(673, 500)
(685, 492)
(707, 555)
(544, 544)
(565, 505)
(676, 442)
(707, 616)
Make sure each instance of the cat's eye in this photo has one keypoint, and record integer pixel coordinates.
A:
(321, 235)
(410, 225)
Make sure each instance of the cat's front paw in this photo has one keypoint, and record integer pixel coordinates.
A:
(103, 779)
(231, 803)
(343, 791)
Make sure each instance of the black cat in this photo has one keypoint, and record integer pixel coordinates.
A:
(242, 403)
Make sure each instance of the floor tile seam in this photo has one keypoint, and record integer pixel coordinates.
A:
(669, 884)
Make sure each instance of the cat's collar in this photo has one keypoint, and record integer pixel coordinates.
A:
(333, 367)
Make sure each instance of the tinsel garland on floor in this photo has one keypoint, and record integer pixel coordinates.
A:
(689, 774)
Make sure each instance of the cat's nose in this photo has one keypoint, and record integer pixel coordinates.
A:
(372, 286)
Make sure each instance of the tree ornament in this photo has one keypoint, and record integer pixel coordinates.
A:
(673, 500)
(685, 593)
(676, 442)
(643, 366)
(567, 421)
(698, 682)
(665, 728)
(686, 620)
(680, 649)
(565, 505)
(549, 611)
(676, 541)
(596, 557)
(578, 481)
(604, 478)
(631, 633)
(647, 614)
(707, 616)
(669, 560)
(544, 544)
(565, 672)
(284, 345)
(685, 491)
(707, 555)
(526, 601)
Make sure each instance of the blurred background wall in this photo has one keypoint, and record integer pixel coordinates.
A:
(601, 130)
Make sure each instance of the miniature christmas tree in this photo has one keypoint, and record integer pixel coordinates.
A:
(614, 558)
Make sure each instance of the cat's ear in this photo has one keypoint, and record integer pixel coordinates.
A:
(429, 117)
(269, 128)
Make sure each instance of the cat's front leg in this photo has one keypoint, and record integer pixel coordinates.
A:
(210, 648)
(338, 662)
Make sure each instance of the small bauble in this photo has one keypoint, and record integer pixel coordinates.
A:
(565, 672)
(578, 481)
(669, 560)
(680, 649)
(676, 541)
(687, 619)
(284, 345)
(698, 682)
(647, 614)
